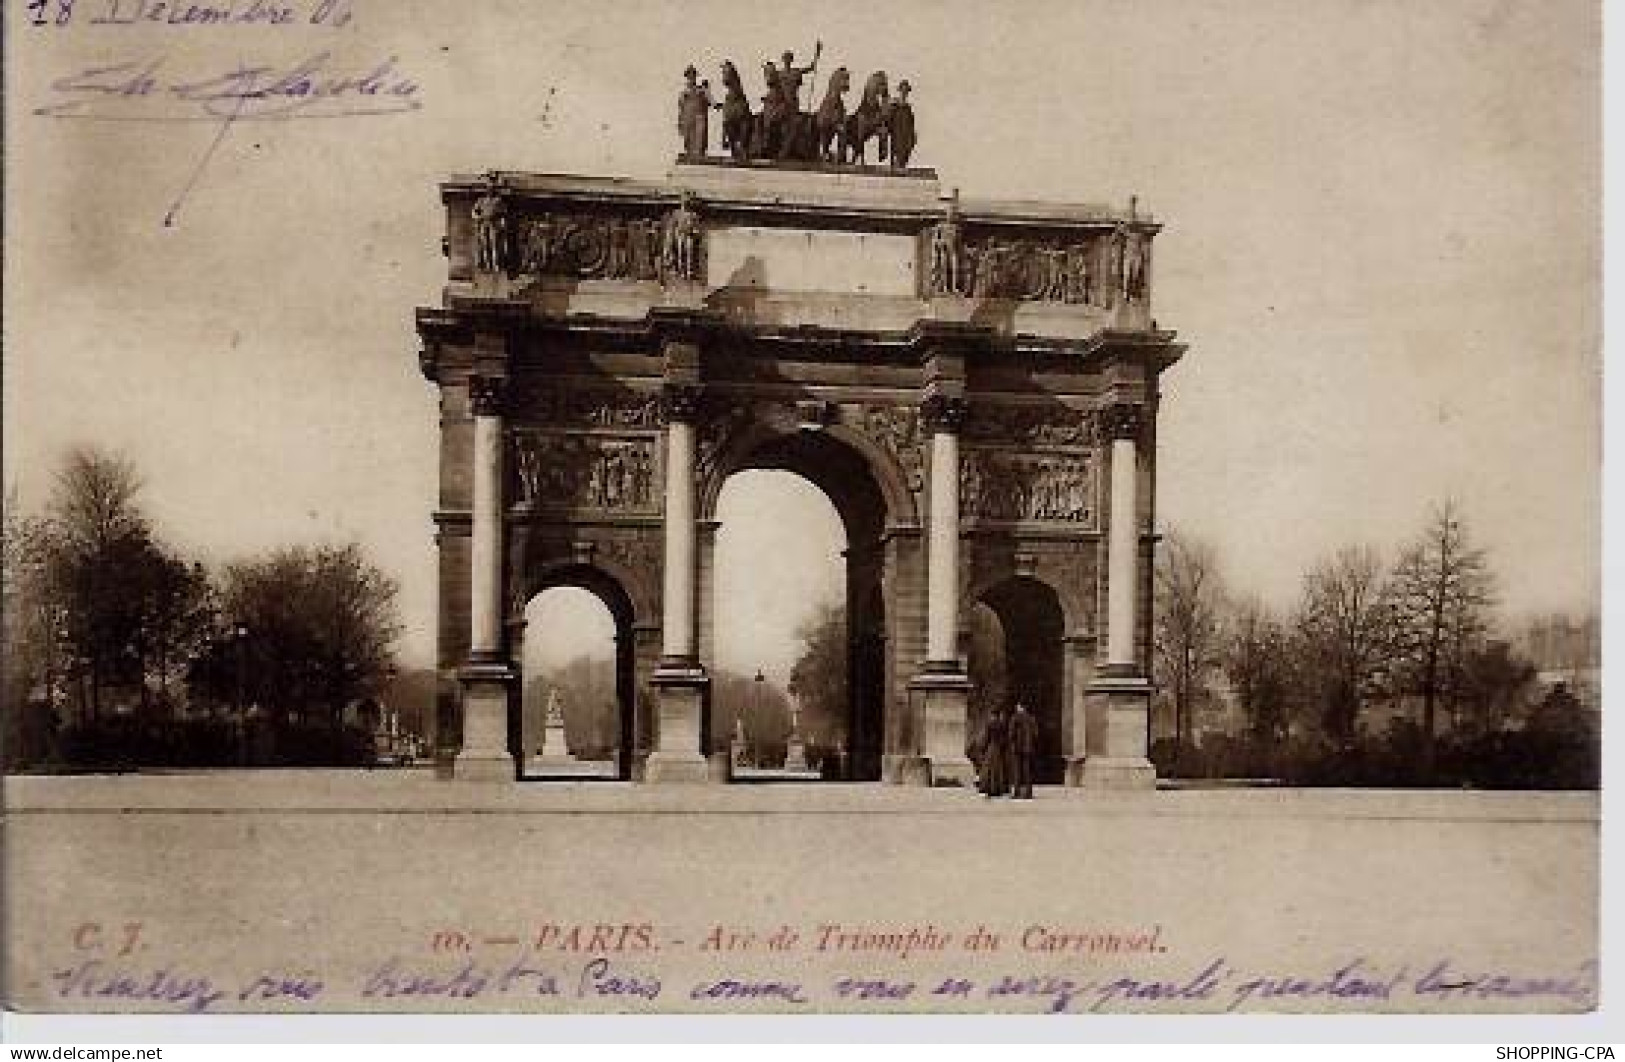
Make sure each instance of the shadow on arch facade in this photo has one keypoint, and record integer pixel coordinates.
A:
(986, 450)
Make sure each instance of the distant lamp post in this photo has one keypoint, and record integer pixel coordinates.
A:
(387, 718)
(795, 751)
(240, 638)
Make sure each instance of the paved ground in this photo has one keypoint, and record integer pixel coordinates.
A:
(251, 888)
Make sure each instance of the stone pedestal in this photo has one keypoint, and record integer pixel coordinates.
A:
(943, 702)
(554, 759)
(678, 754)
(1122, 707)
(795, 756)
(485, 756)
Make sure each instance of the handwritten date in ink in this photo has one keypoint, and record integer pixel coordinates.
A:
(330, 13)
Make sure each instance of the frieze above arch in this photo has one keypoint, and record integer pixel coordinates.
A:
(551, 402)
(1027, 425)
(520, 238)
(1101, 269)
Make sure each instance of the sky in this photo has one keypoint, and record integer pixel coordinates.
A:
(1382, 247)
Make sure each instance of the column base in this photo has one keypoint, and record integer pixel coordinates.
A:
(1100, 772)
(659, 769)
(484, 756)
(678, 757)
(944, 703)
(474, 767)
(914, 771)
(1121, 705)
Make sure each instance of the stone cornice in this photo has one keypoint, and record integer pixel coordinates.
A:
(791, 210)
(444, 329)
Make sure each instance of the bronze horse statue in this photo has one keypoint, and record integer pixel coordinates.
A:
(829, 121)
(781, 131)
(738, 123)
(869, 120)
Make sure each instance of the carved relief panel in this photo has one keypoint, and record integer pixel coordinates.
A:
(1029, 463)
(996, 485)
(584, 446)
(570, 471)
(519, 240)
(898, 430)
(1099, 269)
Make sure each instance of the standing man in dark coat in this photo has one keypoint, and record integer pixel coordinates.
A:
(995, 781)
(1022, 734)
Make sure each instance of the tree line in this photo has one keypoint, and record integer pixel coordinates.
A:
(123, 652)
(1380, 674)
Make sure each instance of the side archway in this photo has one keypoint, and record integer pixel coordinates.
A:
(1017, 653)
(599, 752)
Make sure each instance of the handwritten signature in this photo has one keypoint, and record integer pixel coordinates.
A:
(140, 90)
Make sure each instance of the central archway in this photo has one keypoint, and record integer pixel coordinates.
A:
(858, 491)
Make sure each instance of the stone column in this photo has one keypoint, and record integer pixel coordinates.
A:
(486, 678)
(678, 644)
(680, 681)
(1078, 660)
(1120, 695)
(942, 690)
(1123, 555)
(942, 549)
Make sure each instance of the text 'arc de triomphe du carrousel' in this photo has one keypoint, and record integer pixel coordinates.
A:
(973, 383)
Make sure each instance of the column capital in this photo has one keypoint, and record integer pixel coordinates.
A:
(485, 395)
(680, 401)
(1121, 420)
(944, 412)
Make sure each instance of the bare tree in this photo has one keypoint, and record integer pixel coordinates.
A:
(1189, 606)
(1257, 660)
(1441, 596)
(1343, 622)
(101, 544)
(94, 502)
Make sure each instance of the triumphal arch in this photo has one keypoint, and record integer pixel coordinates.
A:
(973, 383)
